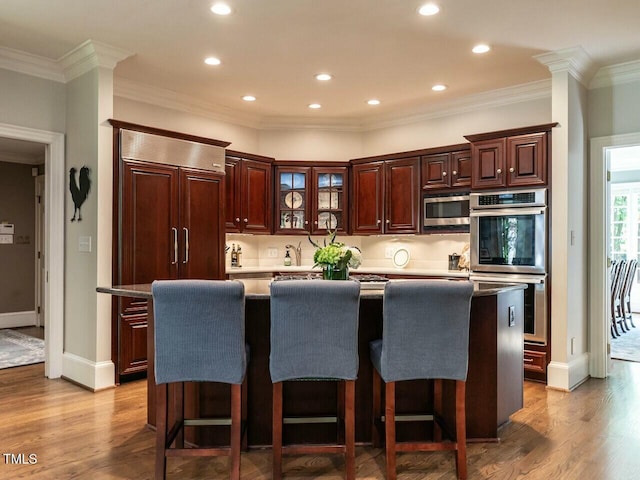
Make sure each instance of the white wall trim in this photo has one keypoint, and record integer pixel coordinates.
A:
(29, 64)
(17, 319)
(94, 375)
(567, 376)
(574, 60)
(54, 228)
(599, 300)
(89, 55)
(616, 75)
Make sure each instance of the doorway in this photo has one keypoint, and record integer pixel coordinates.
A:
(53, 237)
(602, 149)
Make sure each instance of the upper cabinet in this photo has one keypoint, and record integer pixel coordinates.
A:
(446, 170)
(248, 193)
(510, 158)
(310, 199)
(386, 196)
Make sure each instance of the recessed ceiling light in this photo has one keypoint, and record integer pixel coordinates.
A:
(481, 48)
(373, 101)
(212, 61)
(221, 8)
(429, 9)
(249, 98)
(314, 105)
(323, 76)
(439, 87)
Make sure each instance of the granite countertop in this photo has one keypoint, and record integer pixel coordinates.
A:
(258, 288)
(239, 272)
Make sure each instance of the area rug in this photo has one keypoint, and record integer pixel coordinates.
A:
(18, 349)
(627, 345)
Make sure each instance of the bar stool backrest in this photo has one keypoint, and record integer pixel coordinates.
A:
(425, 330)
(199, 331)
(314, 329)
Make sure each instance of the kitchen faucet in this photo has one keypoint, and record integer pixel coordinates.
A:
(298, 251)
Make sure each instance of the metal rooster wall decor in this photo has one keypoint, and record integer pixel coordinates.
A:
(79, 192)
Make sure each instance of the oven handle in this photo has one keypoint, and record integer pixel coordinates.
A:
(510, 278)
(502, 212)
(459, 198)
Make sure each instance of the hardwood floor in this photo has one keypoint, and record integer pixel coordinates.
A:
(37, 332)
(591, 433)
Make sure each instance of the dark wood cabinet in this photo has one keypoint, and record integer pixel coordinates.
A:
(330, 202)
(386, 196)
(168, 224)
(510, 158)
(248, 193)
(309, 197)
(443, 171)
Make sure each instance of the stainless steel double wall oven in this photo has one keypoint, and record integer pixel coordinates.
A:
(509, 244)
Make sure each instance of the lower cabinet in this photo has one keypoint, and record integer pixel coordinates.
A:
(535, 364)
(133, 344)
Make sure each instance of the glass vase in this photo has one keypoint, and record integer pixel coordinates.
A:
(331, 272)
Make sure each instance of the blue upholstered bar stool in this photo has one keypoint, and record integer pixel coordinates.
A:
(425, 335)
(314, 336)
(199, 337)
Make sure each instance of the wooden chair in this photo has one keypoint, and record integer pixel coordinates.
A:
(425, 335)
(314, 336)
(199, 337)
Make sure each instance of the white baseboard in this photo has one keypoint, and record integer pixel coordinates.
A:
(17, 319)
(567, 376)
(93, 375)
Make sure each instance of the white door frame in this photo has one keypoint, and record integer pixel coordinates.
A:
(599, 299)
(40, 250)
(54, 238)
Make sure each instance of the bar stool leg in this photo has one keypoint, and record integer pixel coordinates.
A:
(178, 398)
(244, 432)
(341, 425)
(349, 428)
(376, 422)
(437, 409)
(277, 431)
(236, 431)
(390, 428)
(461, 430)
(161, 431)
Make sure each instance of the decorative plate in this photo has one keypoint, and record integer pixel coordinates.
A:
(293, 200)
(325, 217)
(401, 258)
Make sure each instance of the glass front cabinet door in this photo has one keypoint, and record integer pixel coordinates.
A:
(329, 199)
(293, 200)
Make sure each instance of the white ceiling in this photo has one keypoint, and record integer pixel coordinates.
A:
(20, 151)
(374, 48)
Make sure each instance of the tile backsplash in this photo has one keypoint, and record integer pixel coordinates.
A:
(426, 251)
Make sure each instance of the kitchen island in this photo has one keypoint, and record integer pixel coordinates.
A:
(494, 383)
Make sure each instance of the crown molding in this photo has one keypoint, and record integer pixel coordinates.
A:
(616, 75)
(29, 64)
(89, 55)
(574, 60)
(491, 99)
(181, 102)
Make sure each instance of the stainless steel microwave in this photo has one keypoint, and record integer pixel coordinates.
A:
(448, 212)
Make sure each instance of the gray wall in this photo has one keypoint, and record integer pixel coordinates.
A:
(614, 110)
(17, 206)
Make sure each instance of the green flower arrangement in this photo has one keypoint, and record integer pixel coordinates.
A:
(336, 254)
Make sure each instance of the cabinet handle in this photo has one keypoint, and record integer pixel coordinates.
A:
(499, 171)
(379, 222)
(237, 219)
(175, 245)
(388, 221)
(528, 360)
(512, 169)
(316, 222)
(444, 174)
(306, 222)
(246, 220)
(186, 245)
(455, 172)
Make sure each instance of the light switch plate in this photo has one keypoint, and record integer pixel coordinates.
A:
(512, 316)
(6, 239)
(388, 252)
(84, 244)
(272, 252)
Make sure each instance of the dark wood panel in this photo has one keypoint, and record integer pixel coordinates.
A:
(256, 194)
(435, 171)
(460, 165)
(488, 164)
(512, 132)
(201, 225)
(527, 159)
(232, 194)
(133, 344)
(402, 196)
(367, 195)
